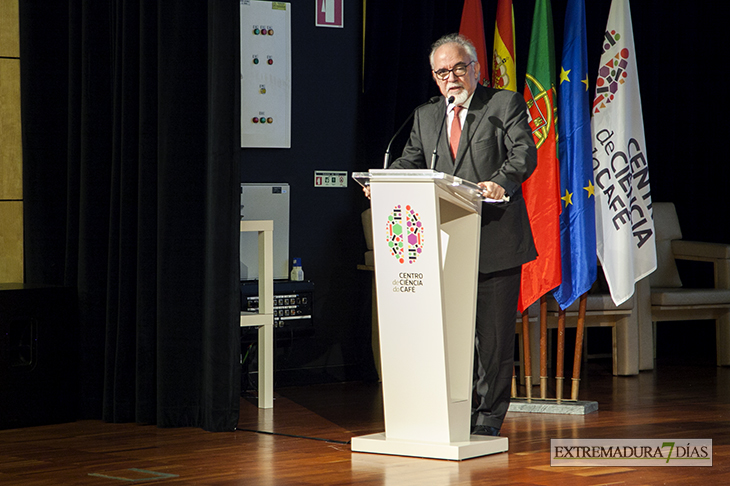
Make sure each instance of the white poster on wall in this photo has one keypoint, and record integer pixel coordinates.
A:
(265, 74)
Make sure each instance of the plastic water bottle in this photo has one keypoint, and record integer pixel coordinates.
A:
(297, 274)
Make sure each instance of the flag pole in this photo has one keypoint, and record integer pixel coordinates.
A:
(543, 347)
(560, 360)
(514, 383)
(527, 358)
(578, 346)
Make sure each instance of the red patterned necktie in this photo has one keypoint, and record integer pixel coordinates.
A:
(455, 132)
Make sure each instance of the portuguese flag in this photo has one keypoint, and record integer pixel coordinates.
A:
(542, 189)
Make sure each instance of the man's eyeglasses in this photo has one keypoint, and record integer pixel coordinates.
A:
(459, 70)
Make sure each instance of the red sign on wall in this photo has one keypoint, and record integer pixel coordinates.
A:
(329, 13)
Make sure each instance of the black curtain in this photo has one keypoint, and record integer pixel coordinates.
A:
(130, 139)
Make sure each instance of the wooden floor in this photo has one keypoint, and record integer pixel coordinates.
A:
(304, 441)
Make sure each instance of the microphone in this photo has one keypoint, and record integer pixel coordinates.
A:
(434, 155)
(387, 150)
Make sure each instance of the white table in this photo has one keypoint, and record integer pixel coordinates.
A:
(264, 318)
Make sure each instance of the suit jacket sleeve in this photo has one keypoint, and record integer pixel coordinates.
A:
(521, 152)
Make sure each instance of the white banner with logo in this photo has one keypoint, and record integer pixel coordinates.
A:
(625, 237)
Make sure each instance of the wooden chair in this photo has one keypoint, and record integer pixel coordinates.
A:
(670, 301)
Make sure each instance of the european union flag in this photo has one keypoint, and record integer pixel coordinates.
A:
(578, 218)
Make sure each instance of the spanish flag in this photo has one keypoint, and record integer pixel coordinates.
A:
(504, 70)
(472, 27)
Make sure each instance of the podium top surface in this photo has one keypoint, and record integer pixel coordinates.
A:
(452, 183)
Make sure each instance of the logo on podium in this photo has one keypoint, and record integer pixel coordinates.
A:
(404, 234)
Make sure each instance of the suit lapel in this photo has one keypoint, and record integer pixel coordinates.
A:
(443, 151)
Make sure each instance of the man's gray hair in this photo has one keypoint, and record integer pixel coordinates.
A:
(457, 39)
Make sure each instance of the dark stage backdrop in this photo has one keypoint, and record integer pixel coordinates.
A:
(133, 159)
(131, 197)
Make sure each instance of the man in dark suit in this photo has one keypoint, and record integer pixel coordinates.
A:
(497, 151)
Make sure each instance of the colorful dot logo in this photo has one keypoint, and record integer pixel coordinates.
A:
(612, 75)
(404, 234)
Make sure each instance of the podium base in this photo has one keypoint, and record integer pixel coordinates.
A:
(551, 405)
(476, 446)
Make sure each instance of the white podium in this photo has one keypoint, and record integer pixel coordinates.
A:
(426, 227)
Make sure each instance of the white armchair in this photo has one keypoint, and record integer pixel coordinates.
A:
(672, 302)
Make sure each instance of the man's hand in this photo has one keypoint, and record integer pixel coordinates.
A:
(366, 190)
(492, 190)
